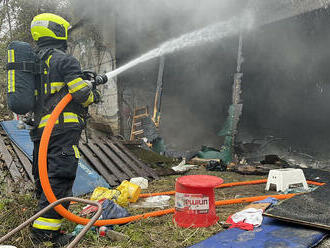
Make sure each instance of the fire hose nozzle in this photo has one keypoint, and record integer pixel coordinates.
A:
(101, 79)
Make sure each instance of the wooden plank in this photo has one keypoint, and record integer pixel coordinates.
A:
(138, 132)
(140, 116)
(25, 162)
(107, 162)
(132, 156)
(203, 160)
(113, 156)
(94, 161)
(140, 171)
(301, 222)
(8, 159)
(262, 206)
(158, 95)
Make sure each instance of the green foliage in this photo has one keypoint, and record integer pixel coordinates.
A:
(15, 20)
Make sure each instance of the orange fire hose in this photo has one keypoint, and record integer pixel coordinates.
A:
(219, 186)
(252, 199)
(225, 185)
(79, 220)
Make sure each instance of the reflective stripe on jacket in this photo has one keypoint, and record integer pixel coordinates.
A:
(63, 76)
(47, 224)
(68, 117)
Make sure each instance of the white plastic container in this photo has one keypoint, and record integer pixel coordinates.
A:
(283, 178)
(141, 181)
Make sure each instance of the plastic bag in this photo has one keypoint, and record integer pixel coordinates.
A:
(111, 210)
(140, 181)
(101, 193)
(182, 166)
(131, 190)
(123, 198)
(159, 201)
(89, 209)
(126, 192)
(118, 196)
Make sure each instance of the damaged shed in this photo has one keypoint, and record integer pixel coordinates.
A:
(284, 77)
(196, 81)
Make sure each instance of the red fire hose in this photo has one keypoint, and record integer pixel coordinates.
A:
(79, 220)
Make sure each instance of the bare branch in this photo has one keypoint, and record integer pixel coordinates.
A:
(9, 19)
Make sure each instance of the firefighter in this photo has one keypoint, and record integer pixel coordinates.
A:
(61, 75)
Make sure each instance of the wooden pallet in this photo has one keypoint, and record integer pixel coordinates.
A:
(114, 161)
(108, 156)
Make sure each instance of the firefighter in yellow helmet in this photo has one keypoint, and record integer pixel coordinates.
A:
(62, 74)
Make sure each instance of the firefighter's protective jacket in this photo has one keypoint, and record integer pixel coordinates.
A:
(62, 75)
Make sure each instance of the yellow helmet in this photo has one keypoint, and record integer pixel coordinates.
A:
(49, 25)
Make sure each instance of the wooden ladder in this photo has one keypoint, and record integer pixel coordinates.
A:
(137, 128)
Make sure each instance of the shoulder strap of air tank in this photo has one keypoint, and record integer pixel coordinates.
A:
(42, 56)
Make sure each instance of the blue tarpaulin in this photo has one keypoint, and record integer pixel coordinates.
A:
(271, 234)
(87, 179)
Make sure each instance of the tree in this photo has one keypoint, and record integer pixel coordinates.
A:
(15, 20)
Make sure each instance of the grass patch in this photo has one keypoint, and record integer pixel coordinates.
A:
(152, 158)
(151, 232)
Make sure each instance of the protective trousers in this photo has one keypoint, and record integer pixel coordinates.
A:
(62, 161)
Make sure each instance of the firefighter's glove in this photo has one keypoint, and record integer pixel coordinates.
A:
(97, 96)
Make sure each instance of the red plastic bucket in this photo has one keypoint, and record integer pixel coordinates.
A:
(194, 200)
